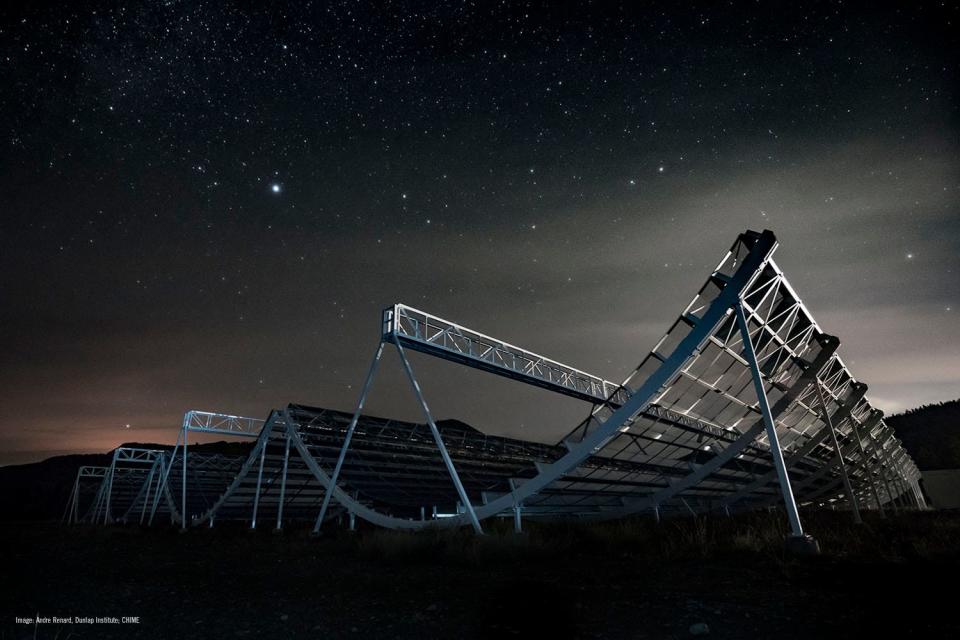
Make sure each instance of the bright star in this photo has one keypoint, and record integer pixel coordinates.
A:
(275, 187)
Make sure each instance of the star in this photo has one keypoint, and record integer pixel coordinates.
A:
(275, 187)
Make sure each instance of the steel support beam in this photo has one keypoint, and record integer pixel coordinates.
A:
(146, 499)
(789, 502)
(454, 476)
(836, 446)
(828, 346)
(283, 485)
(109, 487)
(874, 418)
(164, 478)
(256, 497)
(183, 480)
(368, 383)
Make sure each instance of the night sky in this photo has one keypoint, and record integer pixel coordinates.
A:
(205, 206)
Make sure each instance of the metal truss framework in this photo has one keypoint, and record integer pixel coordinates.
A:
(86, 489)
(743, 404)
(200, 422)
(121, 491)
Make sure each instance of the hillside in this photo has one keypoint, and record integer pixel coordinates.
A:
(39, 490)
(931, 434)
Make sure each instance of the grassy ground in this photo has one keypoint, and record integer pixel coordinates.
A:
(631, 579)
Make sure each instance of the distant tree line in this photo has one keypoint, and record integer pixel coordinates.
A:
(931, 434)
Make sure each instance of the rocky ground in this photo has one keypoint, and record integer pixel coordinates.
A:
(719, 578)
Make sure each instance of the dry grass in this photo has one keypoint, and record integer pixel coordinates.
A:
(904, 536)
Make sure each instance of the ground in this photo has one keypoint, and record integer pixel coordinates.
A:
(888, 577)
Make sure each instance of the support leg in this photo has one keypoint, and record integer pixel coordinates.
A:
(919, 493)
(890, 469)
(146, 498)
(443, 449)
(256, 496)
(795, 527)
(836, 446)
(283, 484)
(183, 483)
(106, 510)
(72, 501)
(163, 480)
(349, 435)
(98, 502)
(868, 472)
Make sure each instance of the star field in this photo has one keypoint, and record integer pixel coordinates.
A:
(207, 206)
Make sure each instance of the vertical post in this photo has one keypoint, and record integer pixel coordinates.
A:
(423, 514)
(94, 510)
(347, 437)
(908, 487)
(656, 513)
(72, 500)
(517, 507)
(904, 496)
(146, 499)
(885, 472)
(163, 479)
(76, 507)
(283, 483)
(101, 496)
(256, 496)
(919, 493)
(775, 452)
(72, 515)
(866, 460)
(836, 446)
(443, 449)
(113, 465)
(878, 473)
(353, 521)
(183, 480)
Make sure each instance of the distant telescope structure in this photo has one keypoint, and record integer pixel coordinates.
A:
(743, 404)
